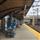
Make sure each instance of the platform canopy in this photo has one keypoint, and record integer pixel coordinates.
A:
(8, 7)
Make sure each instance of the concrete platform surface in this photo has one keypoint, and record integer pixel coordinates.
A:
(21, 34)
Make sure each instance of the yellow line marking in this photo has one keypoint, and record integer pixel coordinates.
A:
(37, 35)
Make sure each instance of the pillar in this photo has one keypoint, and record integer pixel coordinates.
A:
(33, 21)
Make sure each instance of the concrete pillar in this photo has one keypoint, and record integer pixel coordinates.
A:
(33, 21)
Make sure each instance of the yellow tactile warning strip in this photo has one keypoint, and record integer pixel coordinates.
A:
(37, 35)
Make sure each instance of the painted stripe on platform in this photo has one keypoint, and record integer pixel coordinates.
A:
(37, 34)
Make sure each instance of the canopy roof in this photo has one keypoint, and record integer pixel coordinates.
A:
(15, 6)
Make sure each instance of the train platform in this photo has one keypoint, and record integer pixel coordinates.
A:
(22, 33)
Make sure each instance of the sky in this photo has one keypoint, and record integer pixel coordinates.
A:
(33, 10)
